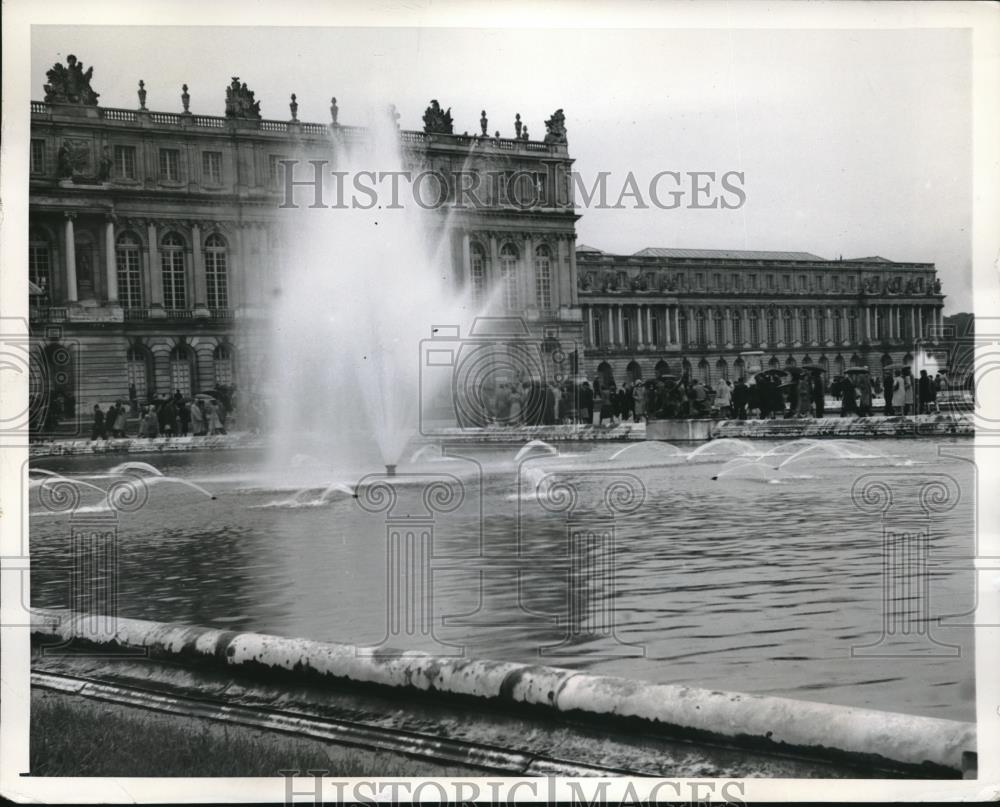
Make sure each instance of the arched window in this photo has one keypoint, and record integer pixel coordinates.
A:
(821, 329)
(740, 367)
(222, 358)
(508, 275)
(634, 370)
(720, 328)
(773, 362)
(855, 360)
(838, 326)
(172, 265)
(786, 315)
(216, 272)
(605, 375)
(543, 278)
(137, 368)
(805, 322)
(886, 361)
(790, 361)
(824, 362)
(754, 328)
(723, 368)
(39, 262)
(128, 257)
(662, 368)
(772, 327)
(682, 327)
(181, 360)
(477, 269)
(737, 326)
(704, 372)
(702, 331)
(838, 364)
(852, 323)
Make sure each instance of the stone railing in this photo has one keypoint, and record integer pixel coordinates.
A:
(284, 127)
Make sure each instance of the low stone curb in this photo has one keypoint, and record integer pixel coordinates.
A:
(933, 745)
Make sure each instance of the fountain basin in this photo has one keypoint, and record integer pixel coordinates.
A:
(882, 742)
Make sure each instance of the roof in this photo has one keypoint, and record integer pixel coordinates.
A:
(587, 248)
(727, 254)
(872, 259)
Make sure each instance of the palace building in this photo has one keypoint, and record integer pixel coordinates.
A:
(717, 312)
(156, 242)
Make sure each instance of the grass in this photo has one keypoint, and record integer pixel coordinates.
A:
(73, 736)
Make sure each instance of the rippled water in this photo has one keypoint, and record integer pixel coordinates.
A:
(731, 570)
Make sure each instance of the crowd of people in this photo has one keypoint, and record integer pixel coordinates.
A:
(793, 392)
(166, 416)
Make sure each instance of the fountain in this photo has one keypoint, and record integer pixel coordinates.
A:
(361, 288)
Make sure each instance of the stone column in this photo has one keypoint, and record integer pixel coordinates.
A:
(813, 326)
(640, 332)
(590, 324)
(796, 326)
(914, 334)
(612, 333)
(155, 271)
(621, 325)
(727, 325)
(920, 321)
(69, 247)
(868, 323)
(527, 281)
(200, 279)
(493, 270)
(466, 273)
(110, 267)
(650, 315)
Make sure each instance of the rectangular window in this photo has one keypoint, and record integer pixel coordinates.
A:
(836, 282)
(211, 167)
(802, 283)
(805, 324)
(125, 162)
(699, 280)
(850, 283)
(754, 331)
(770, 282)
(38, 265)
(720, 331)
(37, 165)
(737, 283)
(275, 170)
(170, 160)
(654, 331)
(701, 330)
(786, 282)
(789, 335)
(753, 282)
(737, 324)
(852, 329)
(717, 280)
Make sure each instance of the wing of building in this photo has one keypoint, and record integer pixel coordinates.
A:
(156, 238)
(709, 312)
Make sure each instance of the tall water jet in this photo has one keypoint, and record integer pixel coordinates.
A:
(364, 283)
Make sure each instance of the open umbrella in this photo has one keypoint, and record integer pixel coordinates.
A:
(814, 368)
(666, 378)
(856, 370)
(892, 367)
(773, 371)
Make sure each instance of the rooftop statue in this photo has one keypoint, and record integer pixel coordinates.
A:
(555, 128)
(70, 84)
(240, 102)
(437, 120)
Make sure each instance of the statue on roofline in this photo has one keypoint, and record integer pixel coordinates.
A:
(70, 84)
(437, 120)
(555, 128)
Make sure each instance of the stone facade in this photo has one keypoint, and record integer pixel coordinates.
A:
(715, 312)
(156, 238)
